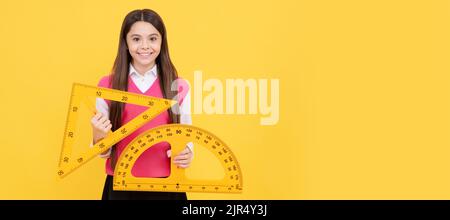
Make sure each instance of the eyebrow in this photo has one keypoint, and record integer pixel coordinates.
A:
(141, 35)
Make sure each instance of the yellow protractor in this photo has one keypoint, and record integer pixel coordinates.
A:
(177, 135)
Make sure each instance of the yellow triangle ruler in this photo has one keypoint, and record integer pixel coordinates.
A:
(176, 135)
(67, 163)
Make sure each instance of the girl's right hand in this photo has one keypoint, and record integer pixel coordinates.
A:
(101, 126)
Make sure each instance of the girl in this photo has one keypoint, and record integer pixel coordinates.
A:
(142, 66)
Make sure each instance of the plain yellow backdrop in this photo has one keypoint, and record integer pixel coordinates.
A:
(364, 92)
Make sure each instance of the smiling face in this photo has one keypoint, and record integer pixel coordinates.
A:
(144, 45)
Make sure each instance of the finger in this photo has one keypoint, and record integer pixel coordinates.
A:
(106, 123)
(183, 166)
(169, 153)
(182, 156)
(184, 152)
(96, 117)
(108, 128)
(103, 119)
(182, 162)
(98, 125)
(177, 159)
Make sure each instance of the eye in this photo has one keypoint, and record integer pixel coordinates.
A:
(153, 38)
(135, 39)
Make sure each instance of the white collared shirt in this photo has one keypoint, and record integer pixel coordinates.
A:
(143, 82)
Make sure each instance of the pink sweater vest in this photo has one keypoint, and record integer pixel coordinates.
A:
(154, 161)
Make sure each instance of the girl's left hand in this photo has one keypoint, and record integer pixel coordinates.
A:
(183, 159)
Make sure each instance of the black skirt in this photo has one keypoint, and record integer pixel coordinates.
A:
(110, 194)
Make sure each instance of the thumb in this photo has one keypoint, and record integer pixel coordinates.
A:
(169, 153)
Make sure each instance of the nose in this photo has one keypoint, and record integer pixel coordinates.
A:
(145, 44)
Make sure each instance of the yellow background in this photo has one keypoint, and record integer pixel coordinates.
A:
(364, 92)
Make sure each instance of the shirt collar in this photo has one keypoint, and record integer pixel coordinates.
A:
(153, 71)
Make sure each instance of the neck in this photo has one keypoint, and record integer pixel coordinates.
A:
(142, 69)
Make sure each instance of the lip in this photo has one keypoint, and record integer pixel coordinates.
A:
(145, 54)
